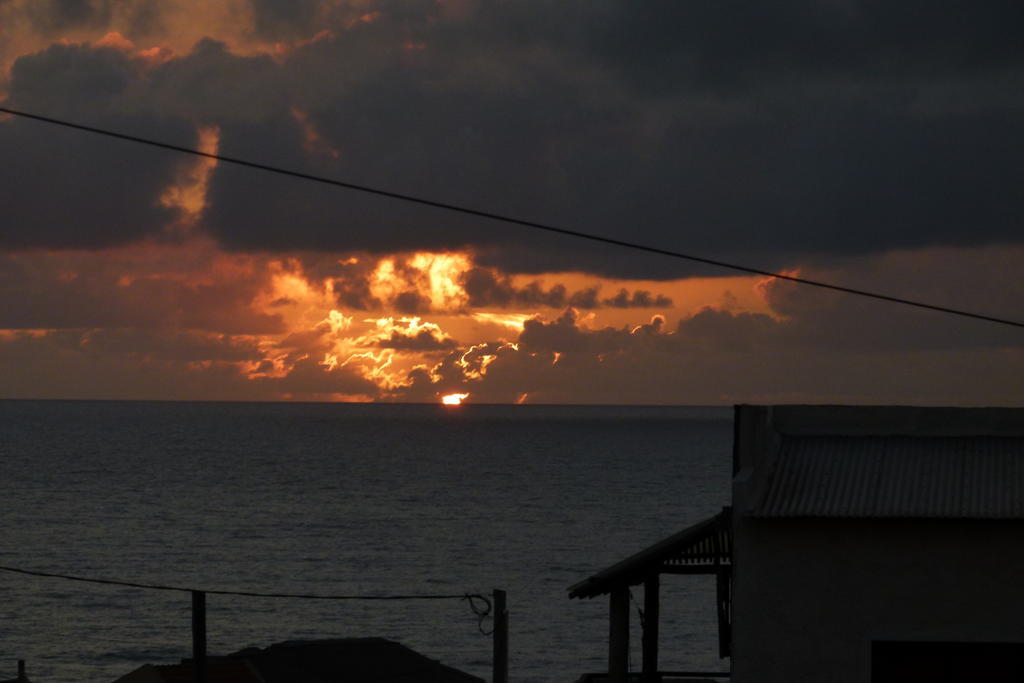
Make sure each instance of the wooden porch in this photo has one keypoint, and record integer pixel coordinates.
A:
(702, 549)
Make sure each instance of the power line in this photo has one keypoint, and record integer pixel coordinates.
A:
(480, 611)
(512, 220)
(248, 594)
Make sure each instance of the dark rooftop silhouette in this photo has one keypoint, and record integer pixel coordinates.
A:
(353, 660)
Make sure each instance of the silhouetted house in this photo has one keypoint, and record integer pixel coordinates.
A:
(352, 660)
(867, 545)
(218, 670)
(339, 660)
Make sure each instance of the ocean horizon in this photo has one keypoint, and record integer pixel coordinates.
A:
(349, 498)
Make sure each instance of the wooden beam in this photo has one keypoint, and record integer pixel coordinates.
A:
(723, 599)
(500, 664)
(652, 599)
(618, 636)
(199, 636)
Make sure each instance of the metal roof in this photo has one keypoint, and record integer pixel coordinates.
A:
(705, 543)
(962, 477)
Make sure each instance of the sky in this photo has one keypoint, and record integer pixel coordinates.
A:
(872, 144)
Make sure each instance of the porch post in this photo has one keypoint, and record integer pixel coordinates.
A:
(199, 636)
(500, 662)
(618, 636)
(650, 638)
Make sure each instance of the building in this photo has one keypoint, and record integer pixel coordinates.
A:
(878, 544)
(348, 660)
(218, 670)
(865, 545)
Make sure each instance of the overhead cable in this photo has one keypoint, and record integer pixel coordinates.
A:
(471, 597)
(512, 220)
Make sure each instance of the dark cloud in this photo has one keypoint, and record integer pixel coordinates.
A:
(279, 19)
(718, 330)
(717, 357)
(586, 298)
(828, 159)
(772, 135)
(113, 364)
(424, 340)
(563, 335)
(350, 278)
(815, 346)
(56, 18)
(211, 85)
(302, 19)
(640, 298)
(411, 302)
(64, 364)
(182, 347)
(307, 341)
(67, 189)
(309, 379)
(53, 16)
(666, 45)
(41, 291)
(487, 287)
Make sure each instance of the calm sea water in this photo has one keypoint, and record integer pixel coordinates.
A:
(343, 499)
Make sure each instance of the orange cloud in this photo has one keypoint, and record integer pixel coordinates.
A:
(279, 323)
(116, 41)
(188, 193)
(513, 321)
(422, 281)
(406, 334)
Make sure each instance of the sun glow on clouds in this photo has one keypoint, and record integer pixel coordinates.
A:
(513, 321)
(451, 341)
(188, 193)
(443, 273)
(422, 280)
(286, 325)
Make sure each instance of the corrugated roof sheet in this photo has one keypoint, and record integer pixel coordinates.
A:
(970, 477)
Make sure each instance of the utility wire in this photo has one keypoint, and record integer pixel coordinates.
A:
(471, 597)
(480, 611)
(512, 220)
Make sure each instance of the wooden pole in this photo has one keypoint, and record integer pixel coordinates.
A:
(618, 636)
(22, 678)
(652, 597)
(199, 636)
(500, 673)
(723, 599)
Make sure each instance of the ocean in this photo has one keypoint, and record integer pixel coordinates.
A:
(345, 499)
